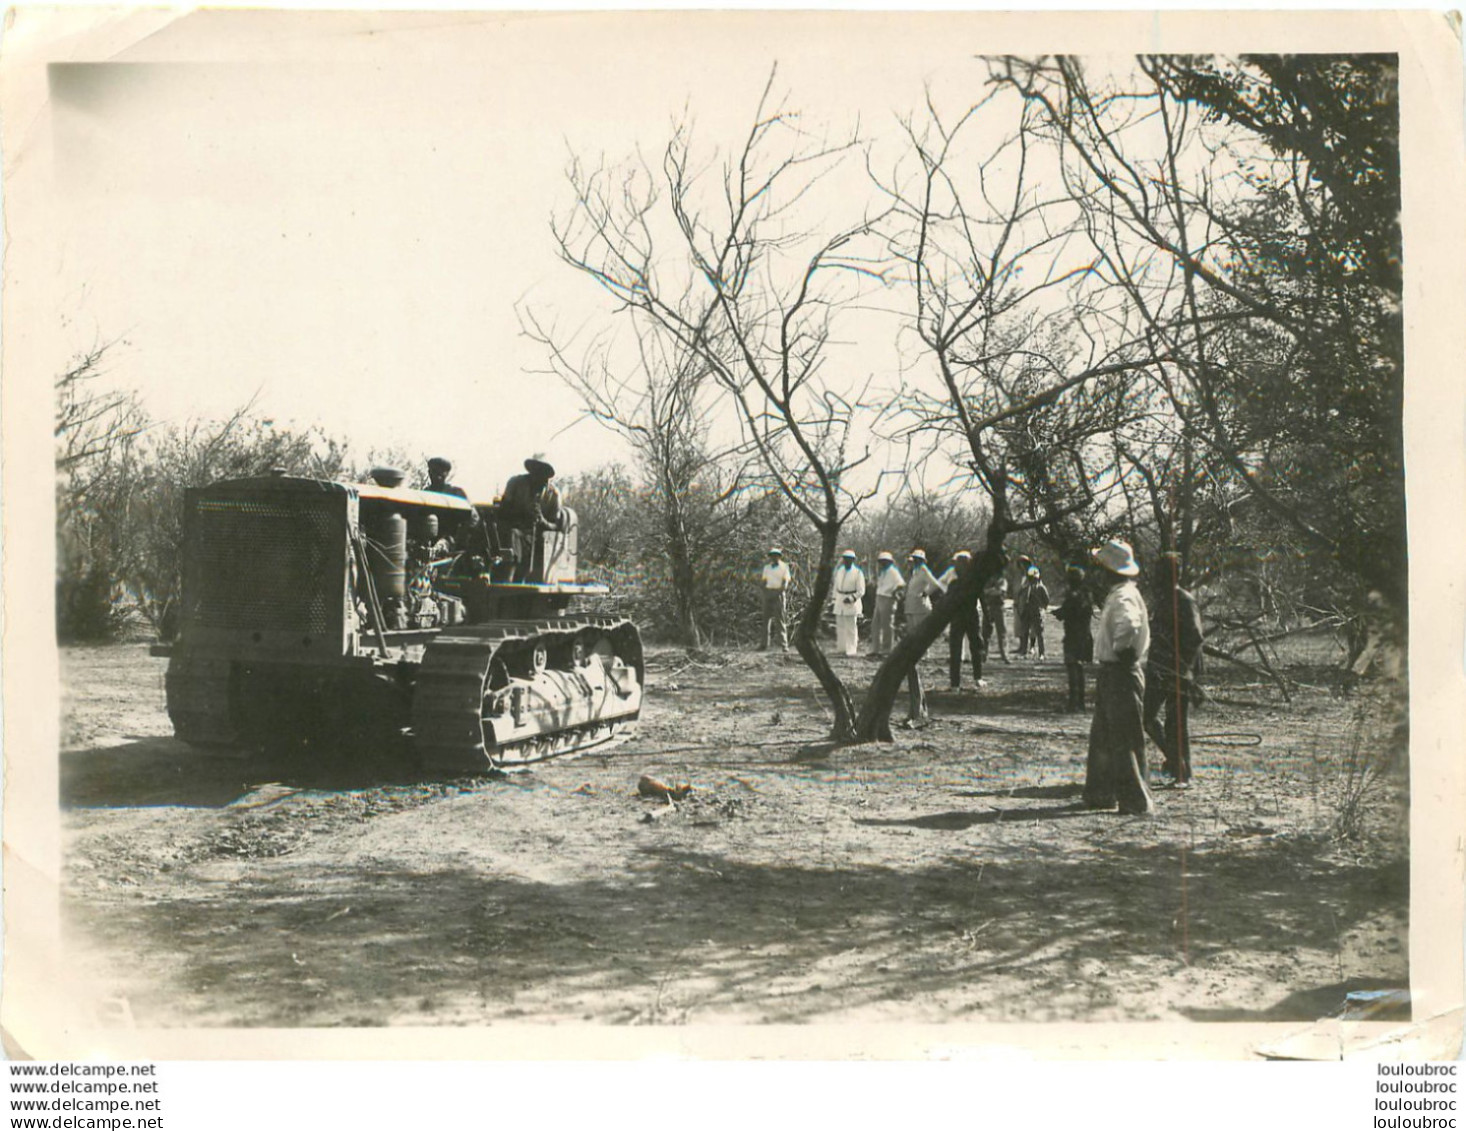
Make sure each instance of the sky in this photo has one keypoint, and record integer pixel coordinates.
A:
(340, 222)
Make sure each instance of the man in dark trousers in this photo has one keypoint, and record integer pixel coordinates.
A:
(529, 505)
(966, 625)
(1172, 671)
(1115, 772)
(1074, 613)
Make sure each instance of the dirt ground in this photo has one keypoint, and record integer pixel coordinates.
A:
(950, 876)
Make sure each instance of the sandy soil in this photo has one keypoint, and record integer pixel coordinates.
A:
(950, 876)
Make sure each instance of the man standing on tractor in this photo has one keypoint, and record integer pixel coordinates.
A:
(530, 504)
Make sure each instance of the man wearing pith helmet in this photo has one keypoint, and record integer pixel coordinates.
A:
(773, 595)
(849, 592)
(889, 584)
(920, 589)
(1115, 773)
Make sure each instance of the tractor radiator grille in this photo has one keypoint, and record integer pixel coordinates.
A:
(268, 564)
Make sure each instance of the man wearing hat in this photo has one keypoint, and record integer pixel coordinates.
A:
(530, 504)
(919, 590)
(889, 584)
(438, 472)
(849, 592)
(1115, 773)
(774, 593)
(1173, 668)
(466, 534)
(966, 625)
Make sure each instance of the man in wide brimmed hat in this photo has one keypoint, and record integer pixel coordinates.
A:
(847, 597)
(529, 505)
(889, 584)
(775, 579)
(1115, 773)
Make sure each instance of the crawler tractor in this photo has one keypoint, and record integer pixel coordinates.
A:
(322, 615)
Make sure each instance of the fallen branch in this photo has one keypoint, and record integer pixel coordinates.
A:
(1245, 666)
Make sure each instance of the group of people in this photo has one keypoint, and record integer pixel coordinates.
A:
(1148, 660)
(913, 593)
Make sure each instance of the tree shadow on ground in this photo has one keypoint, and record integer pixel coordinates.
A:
(966, 819)
(1034, 792)
(1012, 701)
(686, 934)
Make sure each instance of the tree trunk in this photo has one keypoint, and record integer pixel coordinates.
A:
(806, 643)
(684, 575)
(874, 721)
(684, 595)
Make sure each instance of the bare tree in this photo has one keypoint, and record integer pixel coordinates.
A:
(96, 433)
(1031, 368)
(723, 268)
(660, 400)
(1249, 211)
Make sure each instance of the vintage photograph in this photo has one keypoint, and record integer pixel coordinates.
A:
(660, 520)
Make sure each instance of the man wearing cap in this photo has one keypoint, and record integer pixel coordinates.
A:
(889, 584)
(438, 472)
(1115, 772)
(920, 590)
(530, 504)
(774, 593)
(966, 625)
(1172, 669)
(849, 592)
(466, 534)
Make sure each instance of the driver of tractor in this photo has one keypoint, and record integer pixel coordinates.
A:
(530, 504)
(466, 535)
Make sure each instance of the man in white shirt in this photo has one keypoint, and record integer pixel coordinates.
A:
(849, 592)
(919, 590)
(774, 595)
(889, 584)
(1115, 772)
